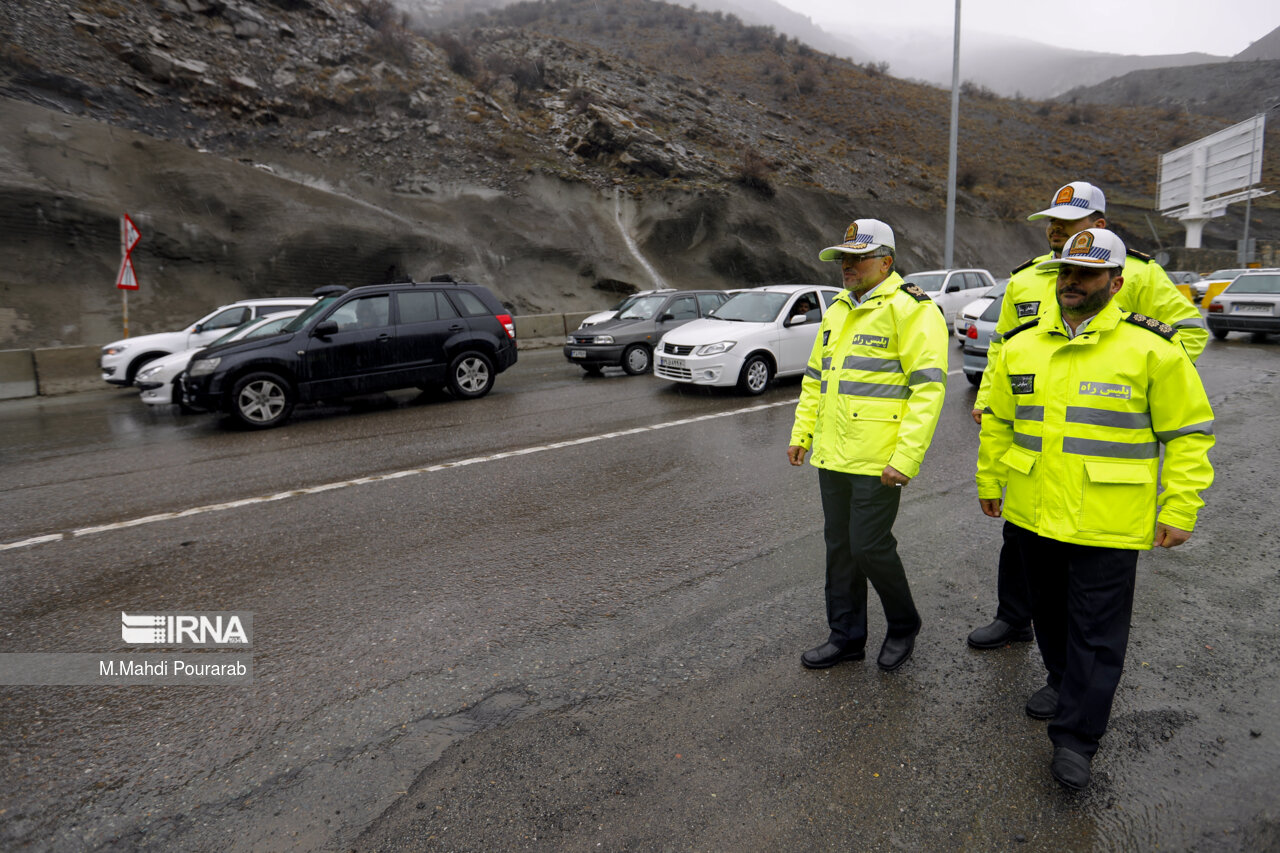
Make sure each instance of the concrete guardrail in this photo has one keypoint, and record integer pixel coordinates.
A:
(65, 370)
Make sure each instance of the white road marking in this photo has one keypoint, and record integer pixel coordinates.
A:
(376, 478)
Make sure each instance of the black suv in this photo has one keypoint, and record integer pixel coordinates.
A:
(361, 341)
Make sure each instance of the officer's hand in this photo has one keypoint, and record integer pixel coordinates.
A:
(795, 454)
(891, 476)
(990, 506)
(1170, 537)
(977, 416)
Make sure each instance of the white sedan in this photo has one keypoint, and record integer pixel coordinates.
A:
(758, 334)
(159, 379)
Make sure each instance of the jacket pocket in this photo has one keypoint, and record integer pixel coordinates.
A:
(873, 427)
(1118, 498)
(1020, 489)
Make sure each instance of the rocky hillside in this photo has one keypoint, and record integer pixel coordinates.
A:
(1230, 90)
(560, 152)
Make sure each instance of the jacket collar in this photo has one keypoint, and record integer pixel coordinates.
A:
(1104, 321)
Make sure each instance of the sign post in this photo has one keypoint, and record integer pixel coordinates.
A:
(127, 278)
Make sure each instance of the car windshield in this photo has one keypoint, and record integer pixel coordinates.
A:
(643, 308)
(302, 319)
(236, 333)
(928, 282)
(1226, 273)
(992, 312)
(1255, 284)
(752, 307)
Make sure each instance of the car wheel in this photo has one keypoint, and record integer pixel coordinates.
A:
(139, 363)
(1258, 337)
(261, 400)
(975, 379)
(637, 359)
(1220, 334)
(592, 369)
(755, 375)
(471, 375)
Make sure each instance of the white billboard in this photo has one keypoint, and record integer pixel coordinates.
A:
(1198, 177)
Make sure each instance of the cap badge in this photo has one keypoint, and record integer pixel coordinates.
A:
(1064, 195)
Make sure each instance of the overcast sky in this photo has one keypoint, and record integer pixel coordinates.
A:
(1144, 27)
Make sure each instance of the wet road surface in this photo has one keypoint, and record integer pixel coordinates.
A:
(587, 636)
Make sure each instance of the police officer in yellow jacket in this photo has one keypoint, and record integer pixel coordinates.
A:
(869, 403)
(1030, 293)
(1082, 398)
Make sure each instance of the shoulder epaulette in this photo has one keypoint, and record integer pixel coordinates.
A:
(914, 291)
(1151, 324)
(1022, 328)
(1135, 253)
(1024, 265)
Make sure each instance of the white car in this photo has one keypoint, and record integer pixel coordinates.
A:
(952, 290)
(158, 380)
(756, 335)
(601, 316)
(121, 360)
(970, 313)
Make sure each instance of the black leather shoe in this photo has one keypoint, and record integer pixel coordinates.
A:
(1070, 768)
(1043, 704)
(999, 633)
(829, 654)
(896, 651)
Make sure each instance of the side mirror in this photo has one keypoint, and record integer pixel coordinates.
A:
(796, 320)
(953, 287)
(197, 328)
(325, 329)
(665, 317)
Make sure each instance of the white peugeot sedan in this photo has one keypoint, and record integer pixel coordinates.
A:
(122, 360)
(158, 379)
(758, 334)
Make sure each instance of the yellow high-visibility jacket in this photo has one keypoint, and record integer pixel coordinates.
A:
(1073, 429)
(873, 388)
(1147, 290)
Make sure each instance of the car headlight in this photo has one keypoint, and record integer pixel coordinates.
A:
(716, 349)
(114, 349)
(604, 339)
(148, 372)
(201, 366)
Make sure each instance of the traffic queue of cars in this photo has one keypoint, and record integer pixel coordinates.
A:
(256, 359)
(337, 343)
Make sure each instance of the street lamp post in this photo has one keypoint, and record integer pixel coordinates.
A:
(953, 144)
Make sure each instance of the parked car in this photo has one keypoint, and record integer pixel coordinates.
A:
(601, 316)
(628, 339)
(978, 340)
(1216, 277)
(158, 380)
(367, 340)
(1251, 303)
(121, 360)
(756, 335)
(974, 309)
(951, 290)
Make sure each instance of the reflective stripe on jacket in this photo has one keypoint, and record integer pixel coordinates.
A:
(1147, 290)
(873, 388)
(1074, 426)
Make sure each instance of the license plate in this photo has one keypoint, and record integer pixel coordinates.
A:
(675, 363)
(1246, 308)
(577, 353)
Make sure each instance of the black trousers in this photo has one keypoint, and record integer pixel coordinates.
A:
(859, 513)
(1081, 602)
(1011, 583)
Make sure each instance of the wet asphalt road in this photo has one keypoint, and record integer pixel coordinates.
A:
(593, 644)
